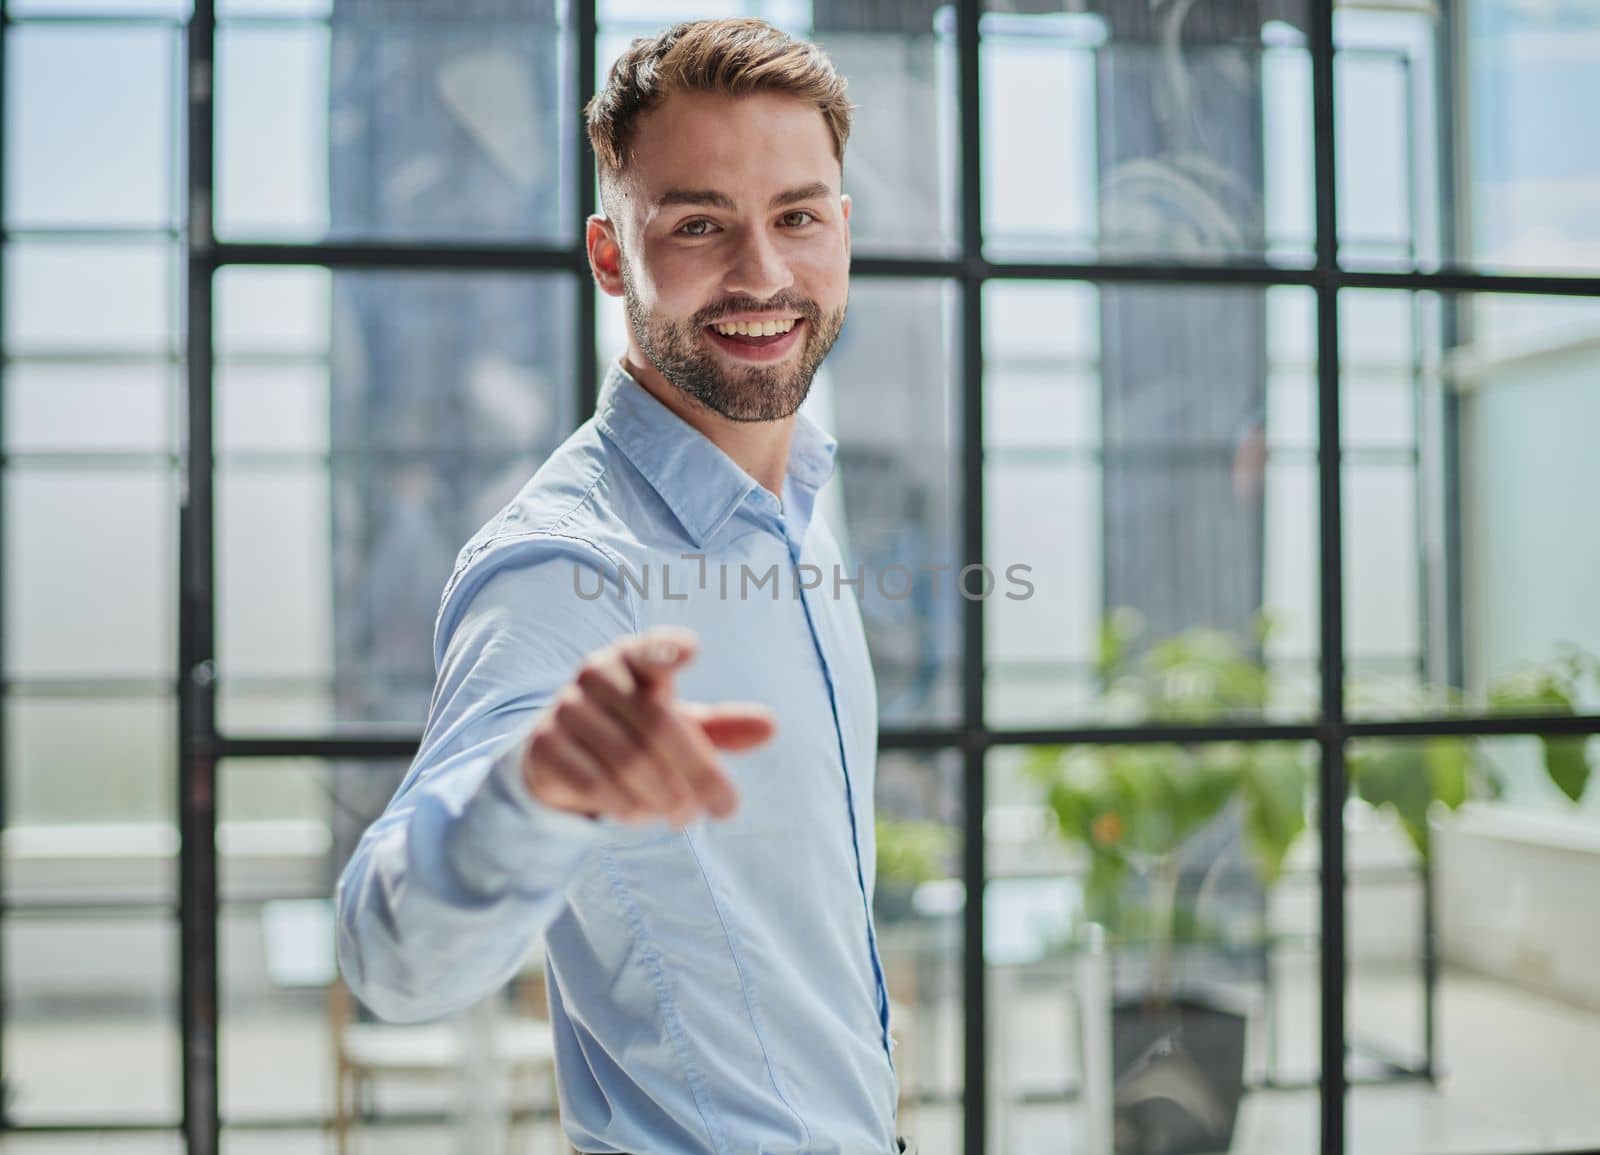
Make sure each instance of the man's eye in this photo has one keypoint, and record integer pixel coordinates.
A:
(799, 213)
(691, 229)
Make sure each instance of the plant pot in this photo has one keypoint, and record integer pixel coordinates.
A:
(1179, 1072)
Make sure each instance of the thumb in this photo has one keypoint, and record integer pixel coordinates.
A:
(733, 725)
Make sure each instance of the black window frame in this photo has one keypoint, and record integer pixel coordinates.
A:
(201, 746)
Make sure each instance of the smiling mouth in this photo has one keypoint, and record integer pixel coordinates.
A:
(760, 340)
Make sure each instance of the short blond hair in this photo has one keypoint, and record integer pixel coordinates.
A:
(734, 57)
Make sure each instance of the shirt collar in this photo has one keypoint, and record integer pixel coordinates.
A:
(699, 482)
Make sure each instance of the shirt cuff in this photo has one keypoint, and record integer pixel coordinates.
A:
(508, 838)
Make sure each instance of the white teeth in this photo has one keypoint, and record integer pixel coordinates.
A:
(755, 328)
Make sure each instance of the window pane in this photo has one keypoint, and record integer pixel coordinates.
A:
(265, 407)
(90, 760)
(1150, 489)
(901, 160)
(123, 407)
(272, 132)
(65, 845)
(274, 312)
(173, 8)
(304, 9)
(1038, 186)
(92, 1019)
(89, 116)
(1208, 903)
(286, 828)
(1101, 144)
(90, 127)
(80, 298)
(90, 573)
(1508, 858)
(889, 393)
(289, 610)
(1291, 571)
(660, 13)
(1378, 186)
(278, 822)
(1381, 543)
(416, 123)
(1040, 380)
(281, 705)
(1291, 371)
(917, 901)
(273, 572)
(1463, 135)
(1466, 559)
(1389, 125)
(369, 424)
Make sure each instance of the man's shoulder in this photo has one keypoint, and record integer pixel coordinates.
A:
(553, 500)
(573, 509)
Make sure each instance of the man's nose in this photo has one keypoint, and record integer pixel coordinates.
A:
(759, 269)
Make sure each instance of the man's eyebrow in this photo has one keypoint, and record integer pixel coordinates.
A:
(803, 192)
(706, 196)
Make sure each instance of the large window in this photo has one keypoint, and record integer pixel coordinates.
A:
(1264, 333)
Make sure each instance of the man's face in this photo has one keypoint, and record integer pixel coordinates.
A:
(731, 249)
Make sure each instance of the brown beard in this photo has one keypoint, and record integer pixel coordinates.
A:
(678, 350)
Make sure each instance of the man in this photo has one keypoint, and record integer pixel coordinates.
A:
(701, 874)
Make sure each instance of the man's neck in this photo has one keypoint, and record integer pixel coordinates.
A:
(760, 448)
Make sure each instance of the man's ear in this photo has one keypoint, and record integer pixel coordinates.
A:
(844, 207)
(605, 254)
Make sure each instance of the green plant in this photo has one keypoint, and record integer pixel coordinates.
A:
(911, 851)
(1408, 776)
(1132, 808)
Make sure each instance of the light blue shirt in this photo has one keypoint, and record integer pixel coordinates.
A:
(712, 990)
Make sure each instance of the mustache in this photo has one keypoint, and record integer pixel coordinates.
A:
(803, 306)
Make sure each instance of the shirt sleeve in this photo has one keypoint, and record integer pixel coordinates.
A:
(449, 889)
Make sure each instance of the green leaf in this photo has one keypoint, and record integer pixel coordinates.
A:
(1274, 787)
(1449, 760)
(1566, 761)
(911, 850)
(1395, 774)
(1534, 689)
